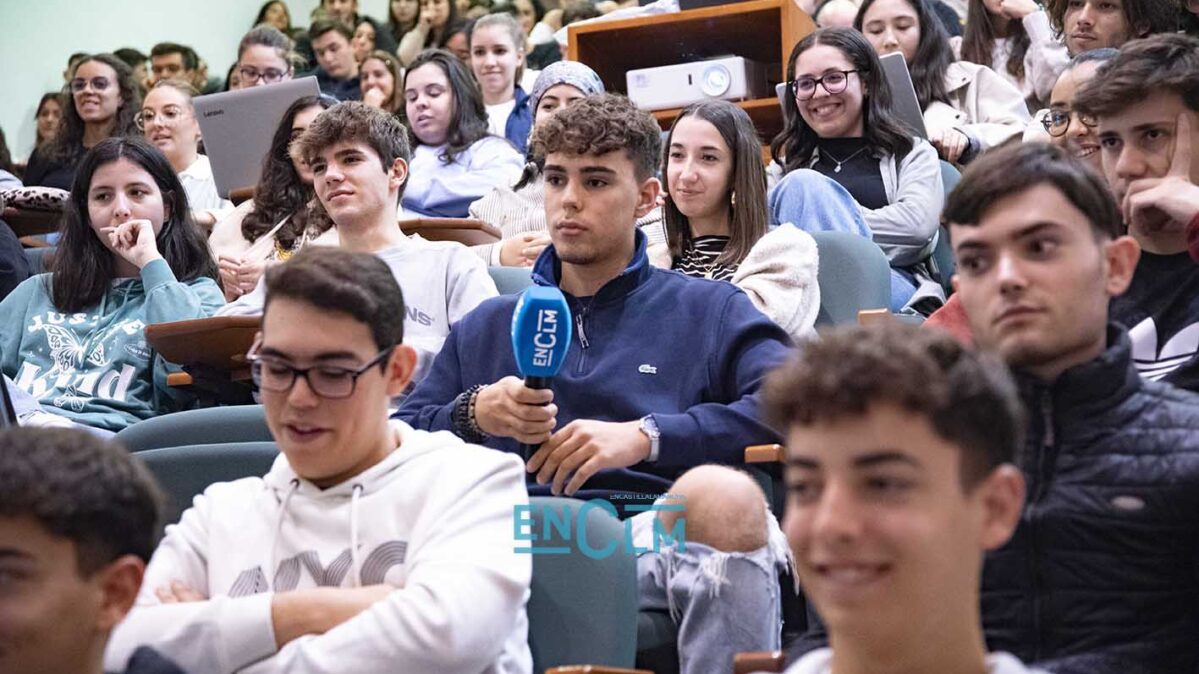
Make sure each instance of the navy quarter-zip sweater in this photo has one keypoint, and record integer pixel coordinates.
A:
(692, 352)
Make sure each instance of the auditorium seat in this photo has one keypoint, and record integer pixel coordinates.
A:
(511, 280)
(853, 276)
(210, 425)
(582, 609)
(186, 471)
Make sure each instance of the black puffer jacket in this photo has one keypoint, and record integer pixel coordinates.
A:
(1101, 576)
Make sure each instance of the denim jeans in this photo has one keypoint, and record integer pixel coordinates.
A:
(723, 603)
(817, 203)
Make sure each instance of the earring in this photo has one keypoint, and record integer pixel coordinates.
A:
(733, 199)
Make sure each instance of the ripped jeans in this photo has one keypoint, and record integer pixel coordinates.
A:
(723, 603)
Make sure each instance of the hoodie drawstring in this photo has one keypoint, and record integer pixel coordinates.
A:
(295, 486)
(355, 569)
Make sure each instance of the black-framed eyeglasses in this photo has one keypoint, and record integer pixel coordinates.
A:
(269, 75)
(277, 376)
(1058, 121)
(98, 83)
(835, 82)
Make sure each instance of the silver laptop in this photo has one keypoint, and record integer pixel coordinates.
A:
(903, 94)
(238, 127)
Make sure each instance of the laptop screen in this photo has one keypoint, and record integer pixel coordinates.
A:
(238, 127)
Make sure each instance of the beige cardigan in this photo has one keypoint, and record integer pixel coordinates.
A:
(985, 106)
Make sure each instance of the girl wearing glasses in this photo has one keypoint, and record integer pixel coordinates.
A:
(1066, 128)
(284, 215)
(264, 56)
(169, 122)
(454, 160)
(104, 101)
(968, 108)
(129, 256)
(840, 124)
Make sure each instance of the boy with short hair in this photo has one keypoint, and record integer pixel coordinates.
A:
(1146, 103)
(1112, 460)
(900, 475)
(78, 519)
(369, 546)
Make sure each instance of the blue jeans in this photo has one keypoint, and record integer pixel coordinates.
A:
(724, 603)
(816, 203)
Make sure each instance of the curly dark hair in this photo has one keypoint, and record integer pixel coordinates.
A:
(883, 131)
(83, 488)
(601, 124)
(1144, 17)
(1167, 62)
(468, 122)
(5, 155)
(356, 121)
(933, 53)
(67, 146)
(969, 399)
(281, 193)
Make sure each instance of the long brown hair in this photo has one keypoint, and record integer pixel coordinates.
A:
(979, 39)
(83, 268)
(747, 218)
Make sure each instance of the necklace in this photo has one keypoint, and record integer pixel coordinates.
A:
(839, 162)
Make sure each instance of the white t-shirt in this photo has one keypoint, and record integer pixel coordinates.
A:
(820, 661)
(497, 117)
(200, 187)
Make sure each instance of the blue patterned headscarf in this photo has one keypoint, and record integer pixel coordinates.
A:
(573, 73)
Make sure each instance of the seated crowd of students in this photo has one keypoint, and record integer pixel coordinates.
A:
(1009, 487)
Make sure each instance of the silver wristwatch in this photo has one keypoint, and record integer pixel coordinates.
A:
(650, 428)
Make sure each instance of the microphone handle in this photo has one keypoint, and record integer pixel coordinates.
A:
(526, 451)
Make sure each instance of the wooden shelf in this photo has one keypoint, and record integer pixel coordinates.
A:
(761, 30)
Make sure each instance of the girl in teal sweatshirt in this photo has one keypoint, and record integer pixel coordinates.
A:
(129, 256)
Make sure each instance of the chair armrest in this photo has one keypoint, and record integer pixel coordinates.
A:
(594, 669)
(758, 661)
(765, 454)
(241, 195)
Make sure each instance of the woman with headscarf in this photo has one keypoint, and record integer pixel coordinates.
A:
(519, 212)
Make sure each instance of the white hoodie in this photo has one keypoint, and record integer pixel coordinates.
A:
(434, 519)
(442, 281)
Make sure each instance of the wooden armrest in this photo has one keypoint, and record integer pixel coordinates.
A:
(219, 342)
(872, 316)
(759, 661)
(594, 669)
(179, 379)
(765, 454)
(26, 222)
(241, 195)
(33, 242)
(467, 231)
